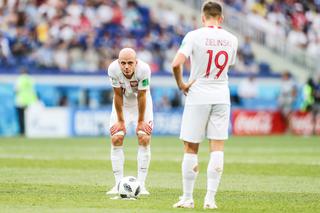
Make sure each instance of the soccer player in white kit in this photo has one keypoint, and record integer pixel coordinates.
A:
(132, 103)
(207, 107)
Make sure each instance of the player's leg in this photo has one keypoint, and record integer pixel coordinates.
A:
(144, 150)
(194, 122)
(116, 154)
(214, 172)
(190, 172)
(217, 132)
(143, 160)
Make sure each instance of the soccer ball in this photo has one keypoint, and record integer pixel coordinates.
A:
(129, 187)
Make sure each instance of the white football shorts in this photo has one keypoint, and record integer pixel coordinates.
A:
(131, 114)
(205, 121)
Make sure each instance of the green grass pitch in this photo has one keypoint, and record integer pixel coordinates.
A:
(261, 174)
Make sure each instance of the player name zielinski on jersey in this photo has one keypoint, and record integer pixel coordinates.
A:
(139, 81)
(211, 50)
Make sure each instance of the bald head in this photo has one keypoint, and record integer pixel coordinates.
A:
(127, 61)
(127, 54)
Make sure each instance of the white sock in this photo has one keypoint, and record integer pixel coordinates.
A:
(143, 158)
(117, 162)
(189, 174)
(214, 172)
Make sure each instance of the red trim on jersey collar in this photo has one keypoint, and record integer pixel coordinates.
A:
(219, 27)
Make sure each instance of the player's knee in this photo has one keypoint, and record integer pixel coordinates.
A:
(144, 140)
(117, 140)
(191, 147)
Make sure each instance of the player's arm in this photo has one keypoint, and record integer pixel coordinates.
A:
(177, 65)
(178, 61)
(117, 100)
(143, 88)
(118, 105)
(142, 103)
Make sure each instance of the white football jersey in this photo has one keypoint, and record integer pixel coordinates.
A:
(211, 50)
(139, 81)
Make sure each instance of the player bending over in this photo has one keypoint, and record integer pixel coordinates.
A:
(132, 103)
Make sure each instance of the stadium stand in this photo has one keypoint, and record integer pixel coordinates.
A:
(294, 24)
(84, 35)
(78, 36)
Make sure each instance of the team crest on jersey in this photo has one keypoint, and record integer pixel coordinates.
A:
(133, 83)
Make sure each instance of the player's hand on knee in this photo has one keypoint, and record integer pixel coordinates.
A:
(119, 126)
(144, 127)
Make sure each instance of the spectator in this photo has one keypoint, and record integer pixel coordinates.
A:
(248, 89)
(25, 96)
(276, 31)
(132, 17)
(298, 18)
(91, 59)
(5, 51)
(313, 49)
(63, 101)
(311, 100)
(44, 55)
(287, 96)
(164, 103)
(316, 93)
(242, 67)
(308, 95)
(91, 55)
(276, 16)
(297, 38)
(246, 51)
(176, 100)
(61, 57)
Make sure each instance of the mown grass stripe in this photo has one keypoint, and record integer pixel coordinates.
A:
(86, 197)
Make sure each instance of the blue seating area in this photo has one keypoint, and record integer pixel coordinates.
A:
(267, 98)
(164, 99)
(75, 96)
(8, 120)
(49, 95)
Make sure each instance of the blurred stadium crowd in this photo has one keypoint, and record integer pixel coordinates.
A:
(85, 36)
(81, 35)
(297, 22)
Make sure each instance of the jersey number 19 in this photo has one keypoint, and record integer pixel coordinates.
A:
(216, 62)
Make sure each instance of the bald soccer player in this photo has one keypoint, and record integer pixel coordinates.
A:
(132, 104)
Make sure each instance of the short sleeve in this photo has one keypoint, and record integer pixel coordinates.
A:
(186, 45)
(234, 54)
(114, 80)
(144, 79)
